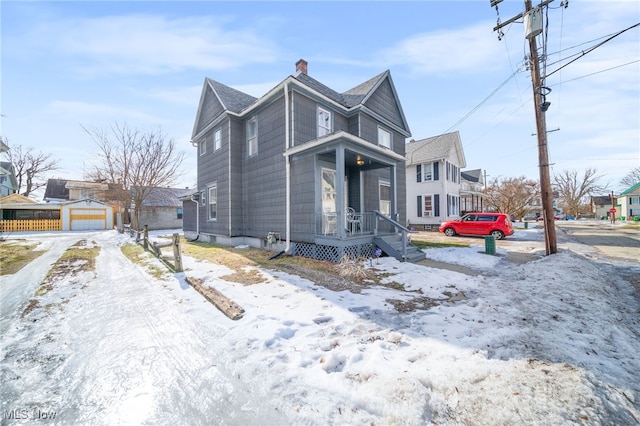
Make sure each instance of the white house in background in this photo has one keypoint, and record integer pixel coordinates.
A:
(471, 186)
(629, 202)
(433, 180)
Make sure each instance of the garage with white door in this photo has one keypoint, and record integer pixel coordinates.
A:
(86, 215)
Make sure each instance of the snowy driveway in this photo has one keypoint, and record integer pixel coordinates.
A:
(122, 349)
(550, 341)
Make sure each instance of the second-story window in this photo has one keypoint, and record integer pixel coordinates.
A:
(384, 138)
(324, 122)
(252, 136)
(217, 140)
(428, 171)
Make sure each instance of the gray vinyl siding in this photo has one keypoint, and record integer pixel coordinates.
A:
(303, 216)
(305, 119)
(213, 168)
(383, 102)
(189, 216)
(354, 188)
(353, 125)
(211, 109)
(237, 147)
(264, 175)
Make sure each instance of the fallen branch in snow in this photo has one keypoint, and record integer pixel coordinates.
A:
(219, 300)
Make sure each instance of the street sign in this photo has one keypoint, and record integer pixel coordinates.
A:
(612, 210)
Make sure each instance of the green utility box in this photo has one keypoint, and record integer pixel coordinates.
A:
(490, 244)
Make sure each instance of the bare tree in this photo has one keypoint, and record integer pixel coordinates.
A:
(29, 166)
(513, 196)
(135, 160)
(632, 178)
(574, 190)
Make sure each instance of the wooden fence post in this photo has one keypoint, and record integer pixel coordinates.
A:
(177, 254)
(145, 243)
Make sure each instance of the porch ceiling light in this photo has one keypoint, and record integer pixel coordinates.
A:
(359, 161)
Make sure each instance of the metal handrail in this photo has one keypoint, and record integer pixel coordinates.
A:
(397, 225)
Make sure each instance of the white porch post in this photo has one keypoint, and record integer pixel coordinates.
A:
(392, 192)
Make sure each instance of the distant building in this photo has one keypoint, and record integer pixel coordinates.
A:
(629, 202)
(162, 208)
(434, 180)
(471, 187)
(8, 181)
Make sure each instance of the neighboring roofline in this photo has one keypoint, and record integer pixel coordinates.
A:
(458, 148)
(630, 190)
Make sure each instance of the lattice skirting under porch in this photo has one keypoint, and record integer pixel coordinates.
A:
(333, 253)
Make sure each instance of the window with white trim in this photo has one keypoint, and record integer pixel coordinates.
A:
(384, 137)
(384, 194)
(217, 139)
(453, 205)
(427, 172)
(203, 146)
(324, 122)
(427, 205)
(213, 202)
(453, 173)
(252, 136)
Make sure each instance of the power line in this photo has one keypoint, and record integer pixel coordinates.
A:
(593, 48)
(597, 72)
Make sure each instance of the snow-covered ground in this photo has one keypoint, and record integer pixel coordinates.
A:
(551, 341)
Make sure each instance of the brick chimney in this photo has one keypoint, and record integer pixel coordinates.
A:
(301, 66)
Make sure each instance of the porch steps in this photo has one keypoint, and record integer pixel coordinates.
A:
(392, 246)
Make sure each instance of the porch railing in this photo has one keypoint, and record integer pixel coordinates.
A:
(359, 223)
(397, 228)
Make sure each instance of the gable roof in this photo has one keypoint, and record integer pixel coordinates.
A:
(631, 190)
(16, 199)
(472, 175)
(56, 190)
(436, 148)
(230, 98)
(165, 197)
(601, 200)
(238, 103)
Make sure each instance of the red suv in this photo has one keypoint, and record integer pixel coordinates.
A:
(496, 224)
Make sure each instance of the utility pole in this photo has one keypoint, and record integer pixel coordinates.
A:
(613, 208)
(541, 106)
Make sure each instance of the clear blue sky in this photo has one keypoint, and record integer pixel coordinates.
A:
(72, 64)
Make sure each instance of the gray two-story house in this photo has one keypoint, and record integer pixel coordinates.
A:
(303, 169)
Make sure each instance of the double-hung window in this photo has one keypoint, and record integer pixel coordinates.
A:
(252, 136)
(217, 139)
(324, 122)
(384, 138)
(427, 208)
(427, 170)
(203, 146)
(213, 202)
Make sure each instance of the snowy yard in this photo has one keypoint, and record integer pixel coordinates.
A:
(551, 341)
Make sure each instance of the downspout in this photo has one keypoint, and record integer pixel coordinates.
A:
(287, 171)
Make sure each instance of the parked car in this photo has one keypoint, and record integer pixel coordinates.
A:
(555, 217)
(496, 224)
